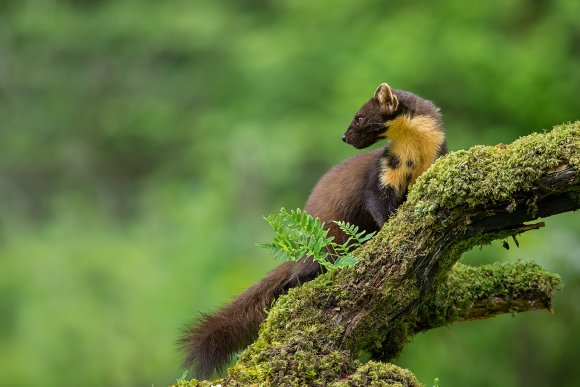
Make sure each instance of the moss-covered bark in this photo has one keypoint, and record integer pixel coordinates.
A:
(471, 293)
(402, 283)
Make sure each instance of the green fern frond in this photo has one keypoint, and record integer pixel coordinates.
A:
(353, 233)
(300, 235)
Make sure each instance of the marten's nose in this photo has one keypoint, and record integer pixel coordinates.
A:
(344, 137)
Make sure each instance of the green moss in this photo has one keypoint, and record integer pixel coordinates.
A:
(443, 197)
(379, 374)
(304, 341)
(197, 383)
(467, 285)
(290, 341)
(487, 174)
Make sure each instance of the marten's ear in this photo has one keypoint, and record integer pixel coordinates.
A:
(385, 97)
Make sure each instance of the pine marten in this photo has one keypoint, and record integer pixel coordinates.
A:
(364, 190)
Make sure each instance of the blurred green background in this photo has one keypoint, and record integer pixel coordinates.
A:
(142, 141)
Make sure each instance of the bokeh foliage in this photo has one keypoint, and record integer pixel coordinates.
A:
(142, 141)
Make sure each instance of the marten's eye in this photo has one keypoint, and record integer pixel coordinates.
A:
(359, 119)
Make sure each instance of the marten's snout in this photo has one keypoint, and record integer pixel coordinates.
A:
(344, 137)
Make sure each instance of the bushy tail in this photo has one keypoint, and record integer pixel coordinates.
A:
(210, 342)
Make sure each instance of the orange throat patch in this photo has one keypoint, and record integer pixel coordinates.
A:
(415, 142)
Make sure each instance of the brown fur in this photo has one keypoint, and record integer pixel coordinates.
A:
(364, 190)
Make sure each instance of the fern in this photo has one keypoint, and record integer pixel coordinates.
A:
(299, 235)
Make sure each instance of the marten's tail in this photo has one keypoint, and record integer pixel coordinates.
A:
(210, 342)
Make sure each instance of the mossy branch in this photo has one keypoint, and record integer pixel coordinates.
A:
(405, 280)
(474, 293)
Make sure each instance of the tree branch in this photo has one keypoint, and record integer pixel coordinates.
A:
(474, 293)
(314, 335)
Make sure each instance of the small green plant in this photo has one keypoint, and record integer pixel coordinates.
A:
(299, 235)
(183, 377)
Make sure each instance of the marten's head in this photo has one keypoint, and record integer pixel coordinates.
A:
(368, 125)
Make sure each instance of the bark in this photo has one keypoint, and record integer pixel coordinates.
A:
(407, 279)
